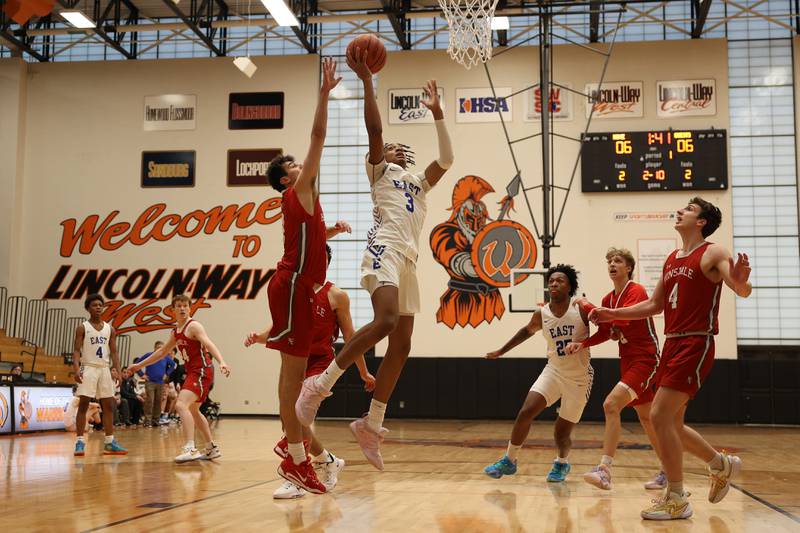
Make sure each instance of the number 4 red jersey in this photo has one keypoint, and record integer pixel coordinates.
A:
(691, 300)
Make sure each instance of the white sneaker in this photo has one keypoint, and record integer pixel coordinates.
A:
(672, 506)
(188, 454)
(328, 471)
(288, 491)
(212, 452)
(659, 482)
(721, 480)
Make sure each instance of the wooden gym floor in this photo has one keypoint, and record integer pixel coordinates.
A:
(433, 482)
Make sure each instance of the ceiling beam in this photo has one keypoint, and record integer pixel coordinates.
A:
(305, 32)
(194, 27)
(398, 20)
(700, 8)
(594, 21)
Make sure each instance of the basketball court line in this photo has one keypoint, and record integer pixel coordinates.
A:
(178, 506)
(772, 506)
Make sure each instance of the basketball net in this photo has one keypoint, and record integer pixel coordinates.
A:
(470, 23)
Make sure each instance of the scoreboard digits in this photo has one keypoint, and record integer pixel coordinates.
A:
(654, 160)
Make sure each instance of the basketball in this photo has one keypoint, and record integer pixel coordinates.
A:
(376, 52)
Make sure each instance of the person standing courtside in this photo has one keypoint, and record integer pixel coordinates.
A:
(154, 376)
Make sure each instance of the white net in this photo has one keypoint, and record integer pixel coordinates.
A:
(470, 23)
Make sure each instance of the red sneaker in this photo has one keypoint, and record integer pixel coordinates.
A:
(281, 449)
(302, 475)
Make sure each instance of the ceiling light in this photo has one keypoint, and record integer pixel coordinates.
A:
(280, 12)
(78, 19)
(500, 23)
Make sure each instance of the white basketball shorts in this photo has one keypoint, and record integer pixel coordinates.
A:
(574, 393)
(97, 382)
(381, 266)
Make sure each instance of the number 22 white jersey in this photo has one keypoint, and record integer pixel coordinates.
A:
(400, 205)
(96, 349)
(560, 331)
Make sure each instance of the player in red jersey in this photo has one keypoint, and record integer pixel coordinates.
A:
(300, 272)
(331, 314)
(688, 293)
(192, 341)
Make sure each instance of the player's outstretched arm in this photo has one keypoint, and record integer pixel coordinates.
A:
(306, 181)
(651, 307)
(525, 333)
(372, 115)
(736, 275)
(156, 356)
(345, 321)
(80, 333)
(340, 227)
(439, 166)
(198, 332)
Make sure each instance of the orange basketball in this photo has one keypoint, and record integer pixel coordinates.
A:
(376, 52)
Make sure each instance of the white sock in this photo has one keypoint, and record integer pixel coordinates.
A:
(109, 439)
(82, 439)
(513, 451)
(716, 463)
(327, 379)
(562, 460)
(324, 457)
(189, 444)
(298, 452)
(606, 460)
(377, 410)
(676, 487)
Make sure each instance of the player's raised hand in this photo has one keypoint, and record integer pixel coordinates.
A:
(494, 355)
(225, 369)
(357, 61)
(601, 314)
(431, 100)
(329, 78)
(573, 347)
(740, 271)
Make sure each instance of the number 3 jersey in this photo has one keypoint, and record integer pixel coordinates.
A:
(559, 332)
(400, 205)
(691, 300)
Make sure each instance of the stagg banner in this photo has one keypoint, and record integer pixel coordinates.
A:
(41, 408)
(560, 104)
(168, 169)
(686, 98)
(480, 105)
(615, 99)
(170, 112)
(255, 111)
(249, 167)
(405, 106)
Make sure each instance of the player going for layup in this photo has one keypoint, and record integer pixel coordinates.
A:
(299, 273)
(193, 343)
(96, 366)
(388, 269)
(566, 376)
(331, 314)
(688, 293)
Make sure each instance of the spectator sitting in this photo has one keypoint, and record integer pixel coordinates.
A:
(71, 414)
(16, 374)
(134, 400)
(154, 376)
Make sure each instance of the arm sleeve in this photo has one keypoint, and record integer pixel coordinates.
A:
(600, 336)
(446, 156)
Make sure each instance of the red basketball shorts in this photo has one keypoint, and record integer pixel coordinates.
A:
(638, 373)
(318, 363)
(291, 304)
(199, 382)
(685, 363)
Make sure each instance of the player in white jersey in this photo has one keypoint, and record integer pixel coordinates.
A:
(388, 270)
(565, 376)
(94, 358)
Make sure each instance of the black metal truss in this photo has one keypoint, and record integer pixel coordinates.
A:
(308, 34)
(594, 21)
(699, 13)
(502, 35)
(199, 20)
(396, 12)
(17, 36)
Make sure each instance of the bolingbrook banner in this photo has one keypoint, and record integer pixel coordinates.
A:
(255, 111)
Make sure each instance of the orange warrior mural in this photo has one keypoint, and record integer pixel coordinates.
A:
(478, 254)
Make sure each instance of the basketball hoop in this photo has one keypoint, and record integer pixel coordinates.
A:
(470, 24)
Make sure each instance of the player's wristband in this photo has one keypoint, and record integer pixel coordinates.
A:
(446, 156)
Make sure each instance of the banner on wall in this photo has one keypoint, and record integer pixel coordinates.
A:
(560, 103)
(480, 105)
(249, 167)
(255, 111)
(41, 408)
(686, 98)
(645, 216)
(168, 169)
(405, 106)
(650, 261)
(616, 99)
(170, 112)
(5, 410)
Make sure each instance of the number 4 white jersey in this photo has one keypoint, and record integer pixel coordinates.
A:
(400, 205)
(559, 332)
(96, 349)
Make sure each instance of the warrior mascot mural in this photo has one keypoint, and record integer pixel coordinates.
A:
(479, 254)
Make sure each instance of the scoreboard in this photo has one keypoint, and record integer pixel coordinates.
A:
(669, 160)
